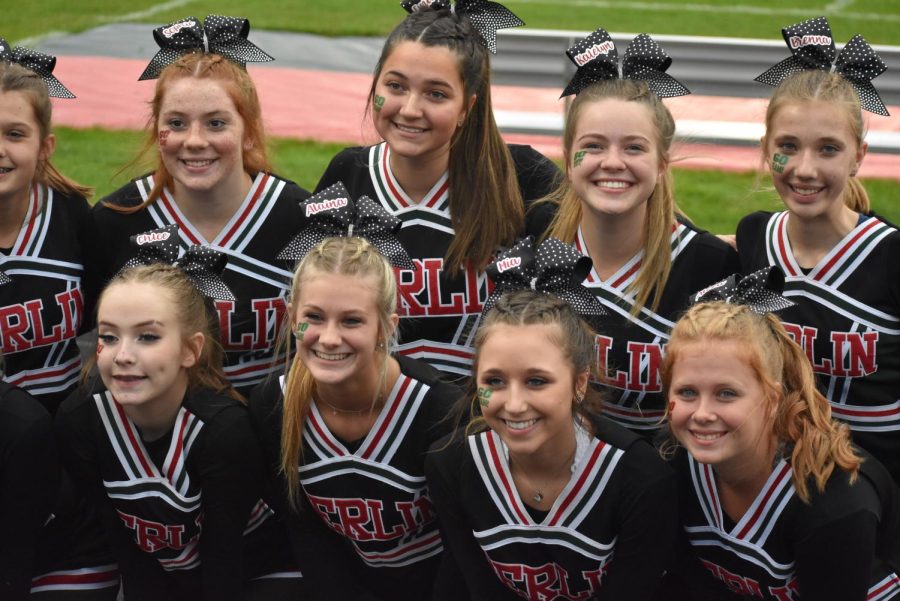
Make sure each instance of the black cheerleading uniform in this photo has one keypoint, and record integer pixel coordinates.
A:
(367, 528)
(607, 536)
(438, 314)
(263, 225)
(51, 546)
(847, 319)
(41, 307)
(184, 513)
(630, 349)
(843, 545)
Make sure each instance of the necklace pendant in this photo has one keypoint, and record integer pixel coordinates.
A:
(538, 496)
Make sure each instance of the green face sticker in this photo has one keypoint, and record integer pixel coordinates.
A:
(484, 396)
(579, 157)
(300, 331)
(378, 102)
(778, 162)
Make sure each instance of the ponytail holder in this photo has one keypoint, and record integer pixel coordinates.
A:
(332, 213)
(38, 62)
(597, 59)
(812, 47)
(226, 36)
(554, 268)
(486, 16)
(759, 291)
(203, 265)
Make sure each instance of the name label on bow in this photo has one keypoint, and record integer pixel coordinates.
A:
(175, 28)
(797, 41)
(325, 205)
(508, 263)
(142, 239)
(593, 52)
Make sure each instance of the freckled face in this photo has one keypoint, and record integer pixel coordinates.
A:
(21, 146)
(201, 137)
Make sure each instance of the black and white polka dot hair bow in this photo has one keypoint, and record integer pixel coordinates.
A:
(487, 17)
(812, 47)
(203, 265)
(554, 268)
(38, 62)
(332, 213)
(760, 291)
(597, 59)
(226, 36)
(4, 279)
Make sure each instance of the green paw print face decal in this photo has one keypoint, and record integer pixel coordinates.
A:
(579, 157)
(484, 396)
(778, 162)
(300, 331)
(378, 103)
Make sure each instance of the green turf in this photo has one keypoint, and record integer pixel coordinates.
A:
(714, 200)
(878, 20)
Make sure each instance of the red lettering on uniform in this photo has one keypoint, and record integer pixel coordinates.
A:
(546, 582)
(152, 536)
(436, 305)
(790, 592)
(603, 344)
(637, 351)
(737, 583)
(13, 323)
(268, 314)
(357, 519)
(415, 513)
(71, 303)
(805, 336)
(409, 285)
(38, 337)
(474, 300)
(858, 349)
(420, 291)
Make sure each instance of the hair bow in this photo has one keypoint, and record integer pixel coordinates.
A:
(332, 213)
(487, 17)
(812, 47)
(760, 291)
(554, 268)
(223, 35)
(4, 279)
(203, 265)
(42, 64)
(597, 60)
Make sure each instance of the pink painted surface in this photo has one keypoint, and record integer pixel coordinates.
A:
(331, 107)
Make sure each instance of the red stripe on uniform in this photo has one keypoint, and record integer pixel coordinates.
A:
(387, 178)
(510, 491)
(179, 446)
(168, 202)
(782, 244)
(389, 418)
(871, 224)
(148, 471)
(577, 488)
(250, 205)
(438, 195)
(318, 428)
(765, 501)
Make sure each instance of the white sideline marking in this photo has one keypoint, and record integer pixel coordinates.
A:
(837, 5)
(140, 14)
(36, 40)
(705, 8)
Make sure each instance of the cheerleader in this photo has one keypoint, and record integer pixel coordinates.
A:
(213, 180)
(347, 427)
(164, 449)
(43, 229)
(542, 499)
(840, 259)
(775, 503)
(617, 206)
(444, 171)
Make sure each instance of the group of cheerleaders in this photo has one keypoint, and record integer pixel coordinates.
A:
(455, 371)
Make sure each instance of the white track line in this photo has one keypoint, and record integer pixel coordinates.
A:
(141, 14)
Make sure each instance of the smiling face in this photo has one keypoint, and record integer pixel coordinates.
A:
(532, 385)
(615, 158)
(812, 152)
(142, 353)
(419, 100)
(21, 146)
(201, 137)
(339, 343)
(719, 409)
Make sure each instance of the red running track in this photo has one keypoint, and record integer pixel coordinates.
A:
(330, 107)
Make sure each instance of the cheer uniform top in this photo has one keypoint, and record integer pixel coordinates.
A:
(41, 306)
(847, 319)
(260, 229)
(844, 544)
(630, 349)
(183, 513)
(608, 535)
(438, 314)
(51, 541)
(367, 526)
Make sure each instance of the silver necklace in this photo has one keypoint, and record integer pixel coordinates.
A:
(582, 440)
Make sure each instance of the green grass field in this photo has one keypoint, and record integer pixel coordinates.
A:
(878, 20)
